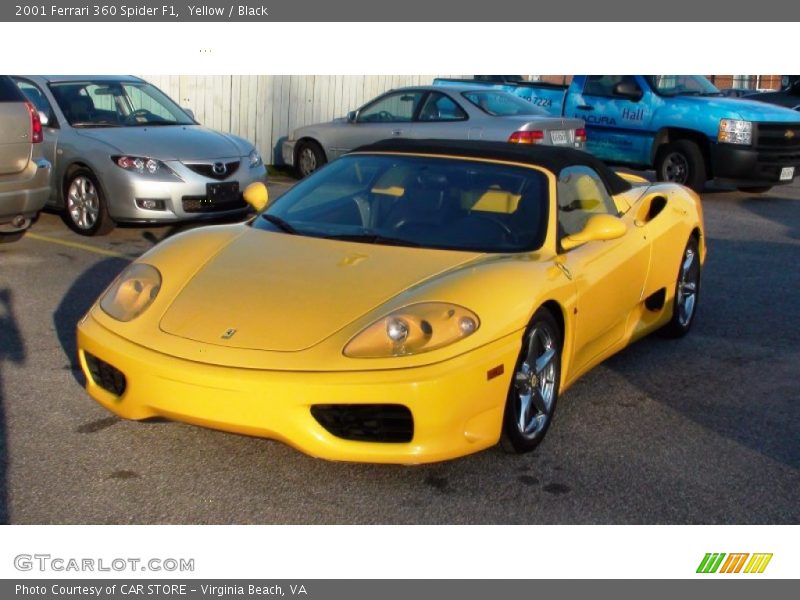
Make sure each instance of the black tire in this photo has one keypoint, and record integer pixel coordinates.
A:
(7, 238)
(81, 214)
(681, 322)
(309, 157)
(514, 439)
(755, 189)
(682, 162)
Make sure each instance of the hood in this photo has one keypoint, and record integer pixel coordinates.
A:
(178, 142)
(738, 108)
(287, 293)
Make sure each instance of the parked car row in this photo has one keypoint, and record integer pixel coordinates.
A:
(117, 149)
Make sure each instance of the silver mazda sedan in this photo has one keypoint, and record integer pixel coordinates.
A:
(123, 151)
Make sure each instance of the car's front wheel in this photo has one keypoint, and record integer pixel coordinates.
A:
(310, 157)
(533, 392)
(85, 206)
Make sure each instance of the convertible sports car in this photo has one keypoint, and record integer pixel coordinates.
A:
(412, 301)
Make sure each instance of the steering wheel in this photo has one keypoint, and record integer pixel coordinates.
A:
(485, 217)
(385, 115)
(142, 112)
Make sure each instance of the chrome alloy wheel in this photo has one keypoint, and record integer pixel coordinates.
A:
(83, 202)
(307, 160)
(534, 383)
(675, 168)
(688, 282)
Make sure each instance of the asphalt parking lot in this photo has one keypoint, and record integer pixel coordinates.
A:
(701, 430)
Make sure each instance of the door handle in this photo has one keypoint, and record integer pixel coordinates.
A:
(397, 132)
(585, 107)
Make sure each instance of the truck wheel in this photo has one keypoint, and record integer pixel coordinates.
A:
(310, 157)
(681, 162)
(755, 189)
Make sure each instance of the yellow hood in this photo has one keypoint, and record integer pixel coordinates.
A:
(279, 292)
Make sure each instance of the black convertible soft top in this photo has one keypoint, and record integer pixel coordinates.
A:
(552, 158)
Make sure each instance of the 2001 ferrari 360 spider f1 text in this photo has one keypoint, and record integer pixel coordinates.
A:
(413, 301)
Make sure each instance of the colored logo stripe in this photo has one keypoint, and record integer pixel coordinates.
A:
(710, 562)
(733, 564)
(758, 563)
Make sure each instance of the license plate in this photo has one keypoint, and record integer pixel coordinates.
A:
(222, 192)
(787, 173)
(559, 137)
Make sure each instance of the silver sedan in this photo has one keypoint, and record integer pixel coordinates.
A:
(431, 112)
(123, 151)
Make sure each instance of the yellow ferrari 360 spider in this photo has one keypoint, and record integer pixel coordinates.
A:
(412, 301)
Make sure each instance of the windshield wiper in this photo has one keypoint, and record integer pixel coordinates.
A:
(95, 124)
(280, 223)
(372, 238)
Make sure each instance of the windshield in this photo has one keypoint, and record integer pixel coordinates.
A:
(417, 201)
(502, 104)
(682, 85)
(116, 104)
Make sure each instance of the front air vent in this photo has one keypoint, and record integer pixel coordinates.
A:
(387, 423)
(105, 375)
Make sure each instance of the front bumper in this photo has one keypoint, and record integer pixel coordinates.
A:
(123, 189)
(456, 409)
(287, 152)
(751, 166)
(26, 194)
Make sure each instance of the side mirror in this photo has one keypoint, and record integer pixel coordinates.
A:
(598, 228)
(44, 118)
(352, 116)
(189, 112)
(629, 90)
(257, 196)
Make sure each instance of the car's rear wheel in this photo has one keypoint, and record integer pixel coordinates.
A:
(85, 207)
(682, 162)
(310, 157)
(533, 392)
(687, 292)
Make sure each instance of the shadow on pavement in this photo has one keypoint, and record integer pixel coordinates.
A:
(12, 350)
(755, 340)
(79, 298)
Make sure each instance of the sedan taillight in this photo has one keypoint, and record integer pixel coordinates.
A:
(527, 137)
(37, 134)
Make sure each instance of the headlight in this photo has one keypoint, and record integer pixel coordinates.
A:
(142, 165)
(733, 131)
(412, 330)
(255, 159)
(132, 292)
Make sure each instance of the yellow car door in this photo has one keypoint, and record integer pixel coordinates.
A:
(609, 274)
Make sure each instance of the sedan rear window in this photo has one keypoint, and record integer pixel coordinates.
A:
(498, 103)
(417, 201)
